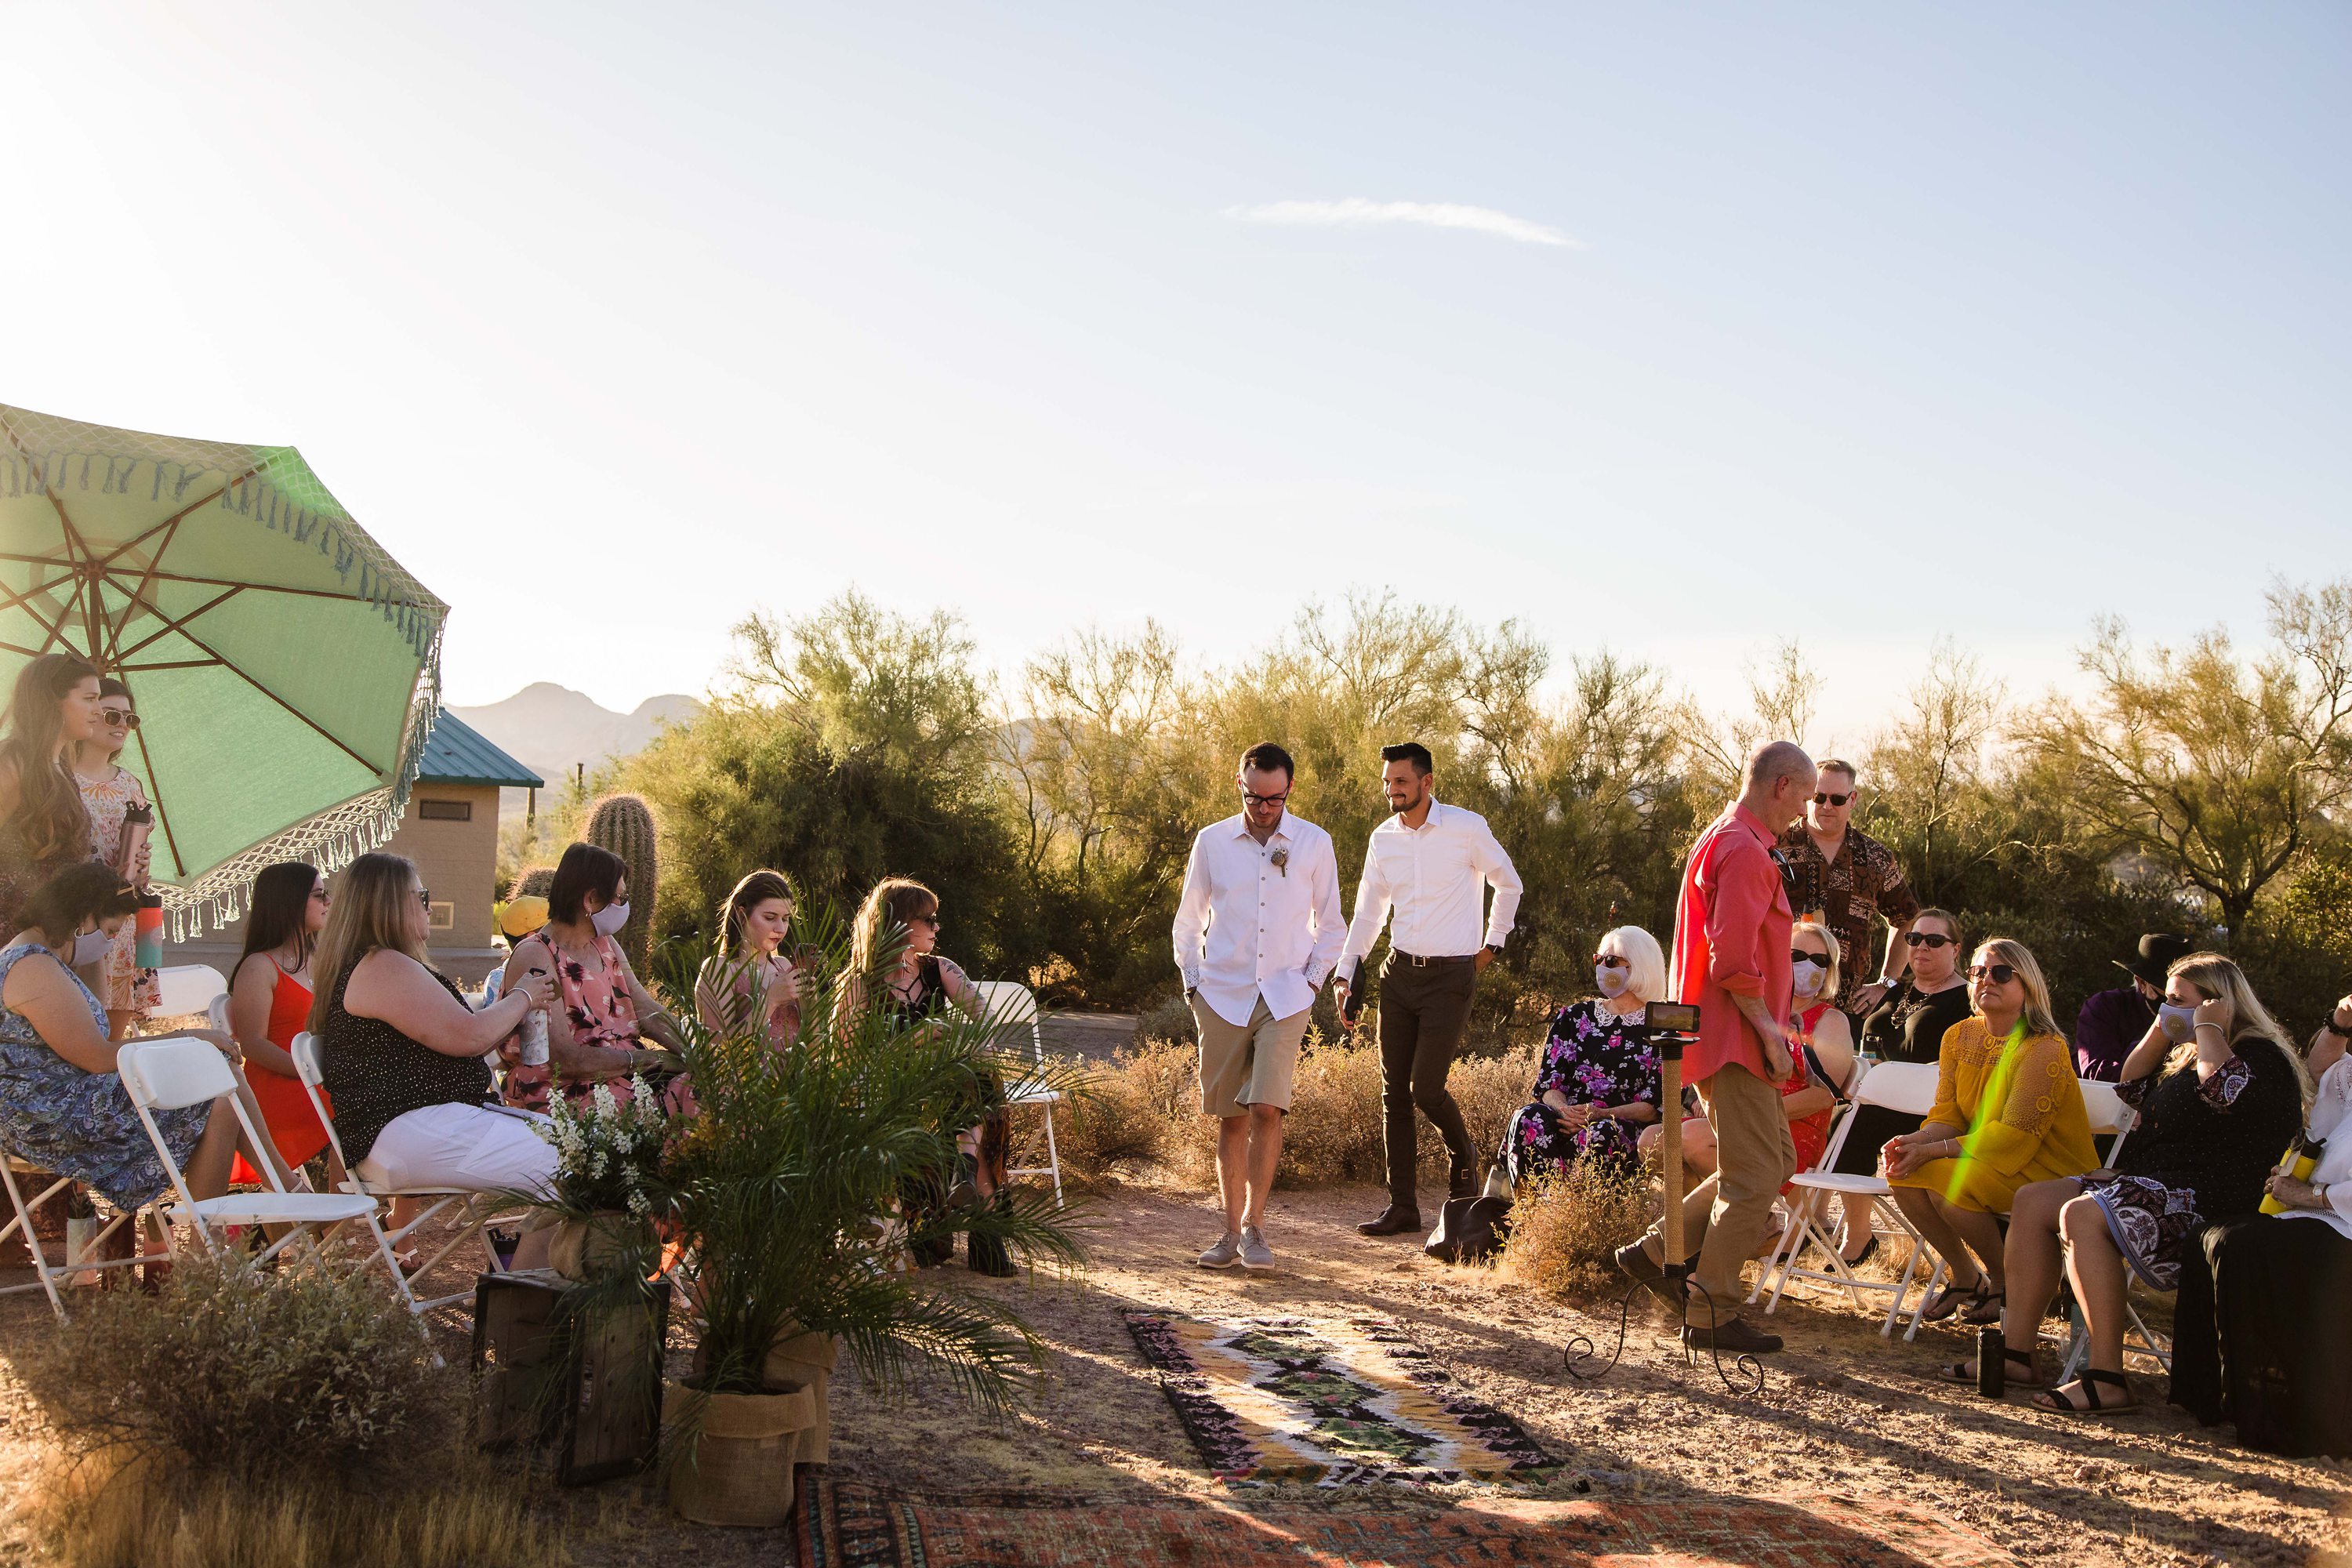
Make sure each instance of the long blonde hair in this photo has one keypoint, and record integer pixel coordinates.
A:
(2039, 1017)
(2221, 980)
(890, 907)
(370, 911)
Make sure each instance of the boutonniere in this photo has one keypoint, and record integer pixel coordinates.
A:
(1281, 859)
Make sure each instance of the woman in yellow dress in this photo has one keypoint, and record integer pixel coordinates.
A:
(2008, 1111)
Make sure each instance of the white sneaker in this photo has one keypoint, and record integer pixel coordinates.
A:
(1255, 1252)
(1225, 1255)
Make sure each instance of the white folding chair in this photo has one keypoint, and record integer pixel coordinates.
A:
(47, 1275)
(186, 988)
(1906, 1087)
(176, 1072)
(305, 1052)
(2108, 1113)
(1008, 1004)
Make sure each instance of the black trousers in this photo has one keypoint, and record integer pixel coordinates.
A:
(1424, 1009)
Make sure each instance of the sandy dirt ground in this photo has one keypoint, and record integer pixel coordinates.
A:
(1843, 1411)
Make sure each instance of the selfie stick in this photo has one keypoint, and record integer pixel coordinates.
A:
(1673, 1025)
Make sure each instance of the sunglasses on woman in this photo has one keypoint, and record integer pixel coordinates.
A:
(1818, 960)
(1998, 974)
(931, 921)
(1611, 960)
(1926, 939)
(118, 718)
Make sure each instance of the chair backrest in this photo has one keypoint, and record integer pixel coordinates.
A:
(313, 1074)
(216, 1016)
(185, 988)
(2107, 1113)
(175, 1072)
(1008, 1004)
(1906, 1086)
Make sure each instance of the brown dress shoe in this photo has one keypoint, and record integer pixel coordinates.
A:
(1393, 1221)
(1732, 1334)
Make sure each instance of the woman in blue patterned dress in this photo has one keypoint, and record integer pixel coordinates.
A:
(1597, 1086)
(62, 1105)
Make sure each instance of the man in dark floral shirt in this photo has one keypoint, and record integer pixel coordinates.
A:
(1850, 882)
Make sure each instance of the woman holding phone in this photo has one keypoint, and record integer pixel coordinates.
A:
(751, 979)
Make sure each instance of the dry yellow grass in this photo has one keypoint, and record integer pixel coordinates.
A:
(1564, 1228)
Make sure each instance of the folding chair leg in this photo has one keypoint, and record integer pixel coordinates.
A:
(24, 1221)
(1053, 1155)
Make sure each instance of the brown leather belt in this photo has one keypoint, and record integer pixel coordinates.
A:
(1418, 962)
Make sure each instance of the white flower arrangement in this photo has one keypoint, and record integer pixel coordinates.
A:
(606, 1150)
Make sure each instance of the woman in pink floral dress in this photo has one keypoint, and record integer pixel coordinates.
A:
(110, 794)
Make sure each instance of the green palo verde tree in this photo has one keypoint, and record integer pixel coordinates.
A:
(782, 1190)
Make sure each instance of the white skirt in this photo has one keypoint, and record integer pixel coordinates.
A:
(474, 1148)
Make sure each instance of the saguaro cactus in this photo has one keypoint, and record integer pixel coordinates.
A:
(624, 825)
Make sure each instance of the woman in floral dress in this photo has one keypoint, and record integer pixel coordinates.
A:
(1599, 1083)
(110, 794)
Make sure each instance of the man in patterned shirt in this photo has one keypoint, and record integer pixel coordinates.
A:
(1850, 882)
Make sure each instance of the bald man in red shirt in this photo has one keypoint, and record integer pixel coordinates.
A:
(1731, 957)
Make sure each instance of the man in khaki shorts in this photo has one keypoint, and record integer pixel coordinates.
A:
(1257, 930)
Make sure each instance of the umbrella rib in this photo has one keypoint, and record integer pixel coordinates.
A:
(170, 625)
(229, 664)
(155, 788)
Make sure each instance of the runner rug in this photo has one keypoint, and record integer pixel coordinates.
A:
(1330, 1402)
(840, 1524)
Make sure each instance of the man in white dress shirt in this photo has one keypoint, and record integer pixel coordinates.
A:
(1431, 864)
(1257, 930)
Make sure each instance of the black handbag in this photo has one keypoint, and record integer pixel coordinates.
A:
(1469, 1230)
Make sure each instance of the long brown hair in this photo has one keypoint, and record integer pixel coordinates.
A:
(370, 911)
(749, 893)
(51, 822)
(890, 907)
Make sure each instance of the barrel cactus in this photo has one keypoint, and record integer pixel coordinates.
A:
(624, 825)
(532, 882)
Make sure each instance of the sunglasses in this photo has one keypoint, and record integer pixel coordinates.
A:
(1831, 799)
(1925, 939)
(1998, 974)
(321, 895)
(424, 898)
(119, 717)
(1787, 873)
(1266, 799)
(1818, 960)
(931, 921)
(1610, 961)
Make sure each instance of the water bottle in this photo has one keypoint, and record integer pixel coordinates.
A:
(534, 1035)
(1993, 1361)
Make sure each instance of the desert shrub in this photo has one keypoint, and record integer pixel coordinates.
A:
(115, 1511)
(1564, 1228)
(1128, 1116)
(245, 1372)
(1168, 1019)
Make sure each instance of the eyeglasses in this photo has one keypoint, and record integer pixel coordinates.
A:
(1610, 961)
(931, 921)
(424, 898)
(1826, 799)
(119, 717)
(1266, 799)
(1926, 939)
(1998, 974)
(1818, 960)
(321, 895)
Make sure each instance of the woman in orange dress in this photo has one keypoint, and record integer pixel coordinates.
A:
(270, 1004)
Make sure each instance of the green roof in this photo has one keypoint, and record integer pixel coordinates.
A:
(455, 754)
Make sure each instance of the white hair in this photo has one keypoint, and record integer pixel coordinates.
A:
(1828, 993)
(1645, 964)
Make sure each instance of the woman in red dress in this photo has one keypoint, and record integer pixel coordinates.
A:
(269, 1001)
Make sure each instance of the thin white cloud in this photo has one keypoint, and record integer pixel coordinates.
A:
(1355, 211)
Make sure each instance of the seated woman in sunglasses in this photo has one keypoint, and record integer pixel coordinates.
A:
(1907, 1026)
(2008, 1113)
(2219, 1090)
(1599, 1082)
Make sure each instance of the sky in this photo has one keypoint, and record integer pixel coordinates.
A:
(1675, 329)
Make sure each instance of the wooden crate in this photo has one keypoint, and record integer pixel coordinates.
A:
(596, 1400)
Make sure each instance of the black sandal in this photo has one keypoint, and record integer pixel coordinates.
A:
(1985, 1307)
(1966, 1370)
(2060, 1401)
(1948, 1300)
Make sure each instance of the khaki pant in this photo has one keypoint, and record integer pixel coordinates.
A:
(1729, 1213)
(1249, 1063)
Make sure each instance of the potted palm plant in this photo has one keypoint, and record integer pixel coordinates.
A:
(782, 1193)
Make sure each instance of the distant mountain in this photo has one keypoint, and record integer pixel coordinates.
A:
(553, 729)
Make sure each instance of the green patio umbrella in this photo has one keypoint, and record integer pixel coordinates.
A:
(285, 669)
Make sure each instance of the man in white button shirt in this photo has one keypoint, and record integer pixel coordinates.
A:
(1431, 864)
(1258, 930)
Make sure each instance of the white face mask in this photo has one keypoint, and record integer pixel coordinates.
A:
(88, 948)
(2179, 1023)
(1805, 976)
(1613, 981)
(610, 919)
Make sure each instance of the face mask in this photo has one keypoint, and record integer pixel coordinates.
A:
(1806, 977)
(88, 948)
(2179, 1023)
(1613, 981)
(610, 919)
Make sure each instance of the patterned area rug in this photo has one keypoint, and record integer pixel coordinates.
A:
(1330, 1402)
(842, 1525)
